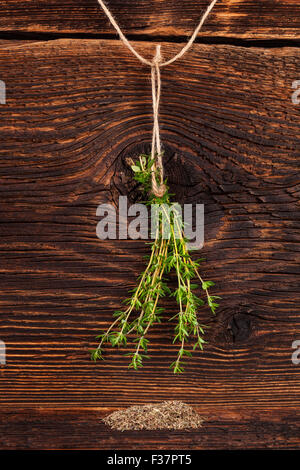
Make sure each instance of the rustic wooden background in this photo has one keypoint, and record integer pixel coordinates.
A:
(78, 104)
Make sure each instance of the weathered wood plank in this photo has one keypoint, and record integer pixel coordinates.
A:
(75, 110)
(232, 18)
(81, 428)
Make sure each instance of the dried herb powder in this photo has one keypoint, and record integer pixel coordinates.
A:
(165, 415)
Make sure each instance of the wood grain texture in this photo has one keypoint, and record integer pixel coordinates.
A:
(75, 110)
(253, 19)
(82, 428)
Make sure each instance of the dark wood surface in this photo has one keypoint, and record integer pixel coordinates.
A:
(82, 428)
(75, 110)
(254, 19)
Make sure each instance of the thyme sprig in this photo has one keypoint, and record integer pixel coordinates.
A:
(142, 309)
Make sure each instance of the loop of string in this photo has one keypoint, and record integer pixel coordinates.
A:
(157, 188)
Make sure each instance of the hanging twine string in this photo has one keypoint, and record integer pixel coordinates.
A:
(158, 189)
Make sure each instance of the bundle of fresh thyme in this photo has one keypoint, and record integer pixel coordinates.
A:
(142, 309)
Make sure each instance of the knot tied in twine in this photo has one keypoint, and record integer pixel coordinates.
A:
(158, 187)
